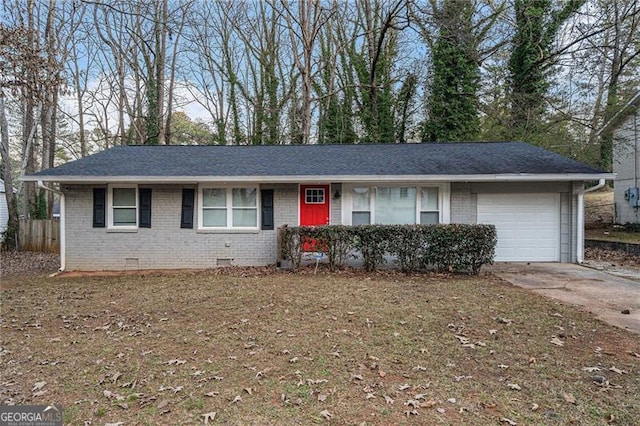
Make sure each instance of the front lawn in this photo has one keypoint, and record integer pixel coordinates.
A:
(262, 347)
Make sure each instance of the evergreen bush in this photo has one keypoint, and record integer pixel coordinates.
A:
(445, 248)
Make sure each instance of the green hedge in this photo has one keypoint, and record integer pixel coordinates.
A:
(445, 248)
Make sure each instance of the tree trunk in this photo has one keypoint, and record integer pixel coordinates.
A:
(7, 176)
(161, 42)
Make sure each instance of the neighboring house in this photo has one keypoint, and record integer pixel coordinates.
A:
(4, 210)
(626, 161)
(152, 207)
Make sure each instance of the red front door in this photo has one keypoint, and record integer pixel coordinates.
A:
(314, 205)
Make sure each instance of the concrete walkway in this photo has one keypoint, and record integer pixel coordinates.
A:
(598, 292)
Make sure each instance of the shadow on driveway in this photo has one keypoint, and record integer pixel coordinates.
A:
(603, 294)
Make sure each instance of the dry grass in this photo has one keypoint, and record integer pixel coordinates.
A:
(599, 208)
(613, 234)
(599, 217)
(382, 349)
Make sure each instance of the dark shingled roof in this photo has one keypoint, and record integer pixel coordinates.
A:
(482, 158)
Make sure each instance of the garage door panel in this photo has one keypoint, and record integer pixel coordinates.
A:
(528, 225)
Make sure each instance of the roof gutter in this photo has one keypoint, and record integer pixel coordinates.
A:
(63, 246)
(580, 248)
(516, 177)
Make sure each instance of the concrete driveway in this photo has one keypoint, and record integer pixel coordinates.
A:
(598, 292)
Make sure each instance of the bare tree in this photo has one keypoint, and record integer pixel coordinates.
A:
(304, 27)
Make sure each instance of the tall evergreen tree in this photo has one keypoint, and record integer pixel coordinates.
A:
(537, 25)
(453, 101)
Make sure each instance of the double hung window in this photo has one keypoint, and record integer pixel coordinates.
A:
(229, 208)
(394, 205)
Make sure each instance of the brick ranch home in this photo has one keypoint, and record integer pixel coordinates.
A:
(158, 207)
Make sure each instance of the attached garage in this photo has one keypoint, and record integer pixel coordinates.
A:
(528, 225)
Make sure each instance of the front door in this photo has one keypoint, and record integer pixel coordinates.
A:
(314, 205)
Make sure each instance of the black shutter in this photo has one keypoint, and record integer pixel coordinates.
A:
(144, 217)
(99, 207)
(267, 209)
(188, 199)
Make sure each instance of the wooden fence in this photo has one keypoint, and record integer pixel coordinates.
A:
(40, 235)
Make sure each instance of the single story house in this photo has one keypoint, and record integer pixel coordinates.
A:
(626, 161)
(157, 207)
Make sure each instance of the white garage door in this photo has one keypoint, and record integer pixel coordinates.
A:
(528, 225)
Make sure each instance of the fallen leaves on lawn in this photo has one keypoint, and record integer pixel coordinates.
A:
(591, 369)
(617, 370)
(38, 385)
(463, 340)
(210, 416)
(374, 383)
(412, 403)
(326, 414)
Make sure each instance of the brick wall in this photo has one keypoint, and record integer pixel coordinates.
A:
(165, 245)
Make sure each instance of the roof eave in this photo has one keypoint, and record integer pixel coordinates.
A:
(621, 115)
(516, 177)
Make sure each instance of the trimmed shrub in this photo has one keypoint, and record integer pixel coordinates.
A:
(335, 241)
(445, 248)
(373, 242)
(290, 245)
(409, 243)
(460, 247)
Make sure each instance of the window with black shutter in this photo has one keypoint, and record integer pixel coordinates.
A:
(267, 209)
(188, 201)
(99, 207)
(144, 218)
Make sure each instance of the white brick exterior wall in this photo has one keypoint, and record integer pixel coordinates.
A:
(166, 246)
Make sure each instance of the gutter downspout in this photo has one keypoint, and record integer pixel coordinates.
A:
(580, 248)
(63, 246)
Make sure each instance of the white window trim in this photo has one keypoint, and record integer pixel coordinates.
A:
(444, 204)
(229, 206)
(110, 224)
